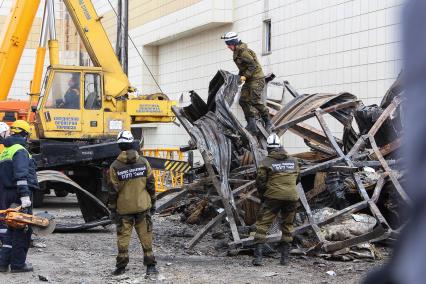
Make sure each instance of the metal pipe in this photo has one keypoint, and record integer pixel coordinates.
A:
(51, 12)
(43, 34)
(53, 42)
(35, 84)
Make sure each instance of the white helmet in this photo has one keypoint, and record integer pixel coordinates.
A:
(273, 141)
(231, 38)
(125, 137)
(4, 129)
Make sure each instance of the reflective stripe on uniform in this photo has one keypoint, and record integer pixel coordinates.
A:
(7, 246)
(21, 182)
(3, 231)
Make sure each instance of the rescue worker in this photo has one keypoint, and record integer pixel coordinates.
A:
(4, 132)
(276, 181)
(132, 202)
(18, 179)
(251, 73)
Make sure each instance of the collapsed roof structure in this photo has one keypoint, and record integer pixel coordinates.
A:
(357, 172)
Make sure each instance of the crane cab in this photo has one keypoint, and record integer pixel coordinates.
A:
(73, 105)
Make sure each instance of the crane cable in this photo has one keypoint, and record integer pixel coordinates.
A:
(137, 50)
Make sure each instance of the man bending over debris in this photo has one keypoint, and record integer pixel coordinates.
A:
(251, 73)
(132, 201)
(276, 181)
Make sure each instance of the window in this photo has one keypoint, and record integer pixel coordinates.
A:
(9, 116)
(267, 37)
(92, 91)
(64, 92)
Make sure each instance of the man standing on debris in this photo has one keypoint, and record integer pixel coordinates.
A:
(132, 202)
(18, 179)
(251, 73)
(276, 181)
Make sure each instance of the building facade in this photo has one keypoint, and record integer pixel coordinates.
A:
(317, 45)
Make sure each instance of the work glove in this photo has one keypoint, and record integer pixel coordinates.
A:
(25, 202)
(152, 209)
(242, 79)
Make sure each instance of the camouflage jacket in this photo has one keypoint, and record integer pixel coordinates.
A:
(247, 63)
(132, 181)
(278, 175)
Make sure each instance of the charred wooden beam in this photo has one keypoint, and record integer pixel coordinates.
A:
(218, 218)
(389, 171)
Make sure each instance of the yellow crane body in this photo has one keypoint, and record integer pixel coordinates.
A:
(97, 44)
(104, 101)
(13, 39)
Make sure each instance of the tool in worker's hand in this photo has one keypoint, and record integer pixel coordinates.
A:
(41, 223)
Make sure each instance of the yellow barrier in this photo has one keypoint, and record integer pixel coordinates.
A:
(166, 178)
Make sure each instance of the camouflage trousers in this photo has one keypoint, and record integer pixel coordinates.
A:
(268, 212)
(143, 226)
(251, 99)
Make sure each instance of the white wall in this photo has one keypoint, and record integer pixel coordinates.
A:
(318, 45)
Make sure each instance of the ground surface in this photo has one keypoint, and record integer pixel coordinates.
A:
(89, 257)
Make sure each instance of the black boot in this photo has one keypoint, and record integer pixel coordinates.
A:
(119, 271)
(4, 268)
(258, 255)
(251, 126)
(268, 124)
(28, 267)
(151, 269)
(285, 249)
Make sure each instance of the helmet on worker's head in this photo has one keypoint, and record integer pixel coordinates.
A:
(20, 127)
(231, 38)
(273, 141)
(4, 129)
(125, 137)
(125, 140)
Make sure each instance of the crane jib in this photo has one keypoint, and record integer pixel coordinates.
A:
(85, 10)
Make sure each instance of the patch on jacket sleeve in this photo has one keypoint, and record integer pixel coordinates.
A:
(132, 172)
(284, 166)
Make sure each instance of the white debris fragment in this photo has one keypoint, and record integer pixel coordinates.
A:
(270, 274)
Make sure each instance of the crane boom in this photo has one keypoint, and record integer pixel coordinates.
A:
(97, 44)
(13, 39)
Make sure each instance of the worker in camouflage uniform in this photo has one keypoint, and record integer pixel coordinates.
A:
(251, 73)
(276, 181)
(132, 202)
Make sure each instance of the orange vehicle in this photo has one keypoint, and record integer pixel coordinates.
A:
(13, 110)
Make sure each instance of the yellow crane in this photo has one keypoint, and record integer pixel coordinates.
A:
(101, 101)
(78, 109)
(13, 39)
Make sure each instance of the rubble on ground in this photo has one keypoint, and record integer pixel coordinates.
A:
(351, 189)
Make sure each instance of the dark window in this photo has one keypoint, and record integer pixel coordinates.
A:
(92, 91)
(267, 37)
(9, 116)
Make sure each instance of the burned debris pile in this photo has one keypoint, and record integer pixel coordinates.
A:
(351, 189)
